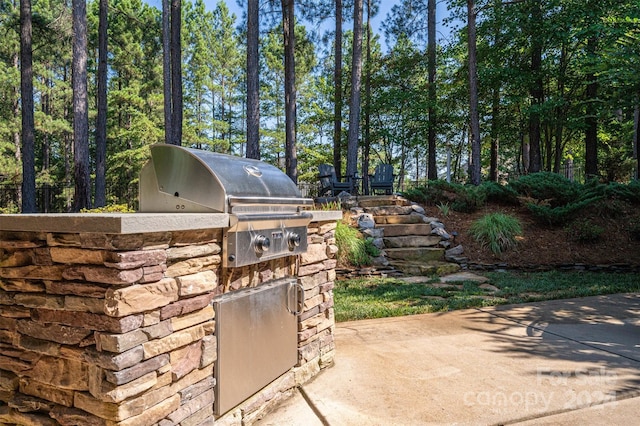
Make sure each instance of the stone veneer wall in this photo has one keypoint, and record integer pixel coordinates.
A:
(118, 329)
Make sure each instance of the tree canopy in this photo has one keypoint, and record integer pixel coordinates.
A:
(558, 83)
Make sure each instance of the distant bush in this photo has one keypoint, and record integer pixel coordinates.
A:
(557, 215)
(551, 198)
(500, 194)
(497, 231)
(614, 191)
(609, 208)
(634, 229)
(439, 191)
(583, 230)
(554, 189)
(469, 199)
(461, 198)
(417, 195)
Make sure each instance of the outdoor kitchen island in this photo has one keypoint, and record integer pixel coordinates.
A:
(109, 319)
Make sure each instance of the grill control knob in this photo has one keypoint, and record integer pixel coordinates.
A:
(294, 240)
(261, 244)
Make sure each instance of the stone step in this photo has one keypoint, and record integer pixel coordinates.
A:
(460, 277)
(423, 254)
(406, 229)
(430, 268)
(412, 241)
(388, 210)
(382, 200)
(406, 218)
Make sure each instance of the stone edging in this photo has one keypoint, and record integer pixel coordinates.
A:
(616, 267)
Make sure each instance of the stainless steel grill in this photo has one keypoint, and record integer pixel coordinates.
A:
(266, 216)
(256, 328)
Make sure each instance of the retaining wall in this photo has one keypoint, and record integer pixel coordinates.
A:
(114, 325)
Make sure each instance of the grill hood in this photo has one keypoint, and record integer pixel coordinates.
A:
(179, 179)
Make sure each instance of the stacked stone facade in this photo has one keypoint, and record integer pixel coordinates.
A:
(118, 328)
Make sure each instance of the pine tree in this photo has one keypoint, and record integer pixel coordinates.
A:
(253, 80)
(101, 120)
(82, 196)
(354, 102)
(28, 126)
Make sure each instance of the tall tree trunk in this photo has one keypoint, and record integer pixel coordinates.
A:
(354, 103)
(28, 125)
(176, 72)
(495, 134)
(475, 167)
(82, 198)
(431, 53)
(548, 147)
(536, 91)
(636, 137)
(166, 68)
(524, 152)
(46, 143)
(253, 81)
(495, 103)
(367, 108)
(557, 161)
(223, 103)
(403, 157)
(337, 84)
(17, 137)
(288, 27)
(560, 110)
(101, 121)
(591, 120)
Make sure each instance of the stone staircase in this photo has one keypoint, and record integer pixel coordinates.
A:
(411, 241)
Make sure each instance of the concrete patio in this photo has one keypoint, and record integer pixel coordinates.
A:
(567, 362)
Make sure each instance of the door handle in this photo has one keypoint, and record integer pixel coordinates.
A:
(297, 298)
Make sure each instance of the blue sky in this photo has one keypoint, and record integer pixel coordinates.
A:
(385, 8)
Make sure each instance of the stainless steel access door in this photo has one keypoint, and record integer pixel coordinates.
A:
(257, 336)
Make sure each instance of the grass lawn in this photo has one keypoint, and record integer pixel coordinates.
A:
(363, 298)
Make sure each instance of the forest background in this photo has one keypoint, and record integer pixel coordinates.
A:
(557, 83)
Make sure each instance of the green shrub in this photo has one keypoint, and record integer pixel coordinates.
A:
(584, 230)
(417, 195)
(436, 192)
(614, 191)
(497, 231)
(469, 198)
(112, 208)
(559, 199)
(352, 248)
(609, 208)
(554, 189)
(634, 229)
(11, 208)
(558, 215)
(461, 198)
(500, 194)
(634, 189)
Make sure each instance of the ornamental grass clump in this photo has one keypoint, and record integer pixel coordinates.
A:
(353, 249)
(497, 231)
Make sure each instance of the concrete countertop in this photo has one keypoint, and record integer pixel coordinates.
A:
(325, 215)
(126, 223)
